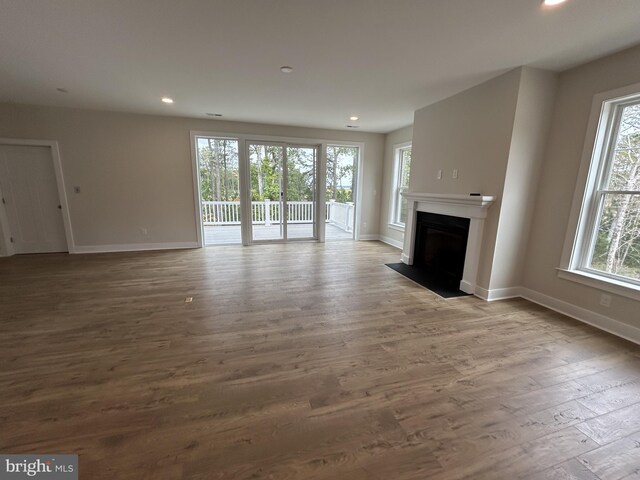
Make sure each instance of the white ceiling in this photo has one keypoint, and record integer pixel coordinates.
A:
(379, 59)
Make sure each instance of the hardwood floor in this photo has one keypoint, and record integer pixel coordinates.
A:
(301, 361)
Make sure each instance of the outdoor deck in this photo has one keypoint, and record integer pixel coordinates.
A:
(229, 234)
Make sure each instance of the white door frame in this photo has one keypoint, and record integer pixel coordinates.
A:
(62, 193)
(244, 172)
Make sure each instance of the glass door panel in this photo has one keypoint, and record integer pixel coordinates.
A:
(218, 165)
(341, 170)
(301, 191)
(266, 164)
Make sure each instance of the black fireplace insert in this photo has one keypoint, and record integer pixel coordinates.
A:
(440, 247)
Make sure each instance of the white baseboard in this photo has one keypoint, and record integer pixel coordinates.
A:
(133, 247)
(615, 327)
(391, 241)
(383, 239)
(468, 287)
(497, 293)
(597, 320)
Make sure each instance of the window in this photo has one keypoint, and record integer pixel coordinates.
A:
(607, 243)
(400, 184)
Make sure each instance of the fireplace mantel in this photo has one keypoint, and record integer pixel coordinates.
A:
(457, 205)
(451, 199)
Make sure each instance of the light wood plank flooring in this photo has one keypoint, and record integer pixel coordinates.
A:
(301, 361)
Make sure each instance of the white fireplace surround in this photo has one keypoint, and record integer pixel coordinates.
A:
(465, 206)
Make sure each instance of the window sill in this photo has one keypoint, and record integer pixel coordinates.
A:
(395, 226)
(610, 285)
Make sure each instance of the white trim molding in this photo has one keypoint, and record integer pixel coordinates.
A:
(397, 227)
(367, 237)
(134, 247)
(497, 293)
(456, 205)
(371, 237)
(597, 320)
(391, 241)
(611, 285)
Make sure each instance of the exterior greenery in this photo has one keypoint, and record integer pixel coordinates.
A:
(219, 171)
(341, 171)
(266, 172)
(617, 245)
(219, 175)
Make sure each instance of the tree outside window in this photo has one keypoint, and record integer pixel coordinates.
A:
(615, 242)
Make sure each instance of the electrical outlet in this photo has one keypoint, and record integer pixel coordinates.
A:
(455, 173)
(605, 300)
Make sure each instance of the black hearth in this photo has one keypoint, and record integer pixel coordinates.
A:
(440, 247)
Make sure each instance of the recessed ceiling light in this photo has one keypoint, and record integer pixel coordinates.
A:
(352, 126)
(167, 100)
(354, 118)
(286, 69)
(62, 90)
(214, 114)
(551, 3)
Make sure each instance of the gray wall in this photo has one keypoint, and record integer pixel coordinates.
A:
(135, 171)
(494, 134)
(471, 132)
(526, 154)
(402, 135)
(576, 90)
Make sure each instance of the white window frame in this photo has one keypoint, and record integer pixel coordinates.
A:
(583, 222)
(396, 188)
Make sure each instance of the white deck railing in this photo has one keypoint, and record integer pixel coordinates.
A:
(268, 212)
(341, 215)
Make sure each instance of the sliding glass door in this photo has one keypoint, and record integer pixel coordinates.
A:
(283, 191)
